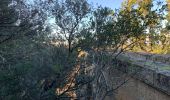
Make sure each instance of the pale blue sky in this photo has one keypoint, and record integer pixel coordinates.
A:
(107, 3)
(111, 3)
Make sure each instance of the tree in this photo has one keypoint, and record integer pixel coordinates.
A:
(152, 20)
(8, 18)
(102, 26)
(71, 18)
(21, 28)
(113, 30)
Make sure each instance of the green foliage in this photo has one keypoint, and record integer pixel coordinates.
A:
(70, 16)
(33, 65)
(57, 68)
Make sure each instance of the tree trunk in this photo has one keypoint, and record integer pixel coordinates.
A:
(69, 47)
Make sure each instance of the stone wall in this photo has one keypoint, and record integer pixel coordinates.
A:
(129, 78)
(159, 79)
(137, 87)
(165, 58)
(147, 82)
(137, 90)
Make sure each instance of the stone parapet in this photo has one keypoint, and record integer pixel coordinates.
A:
(164, 58)
(156, 75)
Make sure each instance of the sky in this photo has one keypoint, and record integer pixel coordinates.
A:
(110, 3)
(107, 3)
